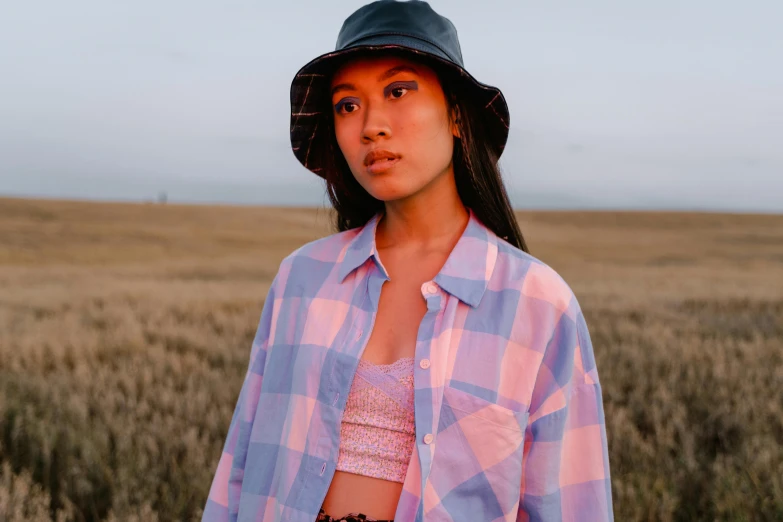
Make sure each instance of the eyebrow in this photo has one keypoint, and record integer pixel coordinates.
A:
(386, 75)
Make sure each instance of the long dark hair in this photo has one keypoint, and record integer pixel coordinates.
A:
(476, 172)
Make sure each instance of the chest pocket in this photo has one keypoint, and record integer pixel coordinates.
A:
(477, 459)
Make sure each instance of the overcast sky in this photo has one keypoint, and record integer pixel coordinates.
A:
(614, 104)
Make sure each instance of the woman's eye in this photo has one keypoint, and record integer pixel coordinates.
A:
(399, 92)
(399, 89)
(345, 106)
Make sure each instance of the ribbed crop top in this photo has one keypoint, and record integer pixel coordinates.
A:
(378, 426)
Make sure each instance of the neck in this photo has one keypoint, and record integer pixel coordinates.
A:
(429, 218)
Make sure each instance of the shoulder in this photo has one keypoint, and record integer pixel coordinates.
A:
(327, 248)
(533, 279)
(319, 255)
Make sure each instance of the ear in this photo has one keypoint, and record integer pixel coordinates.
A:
(455, 122)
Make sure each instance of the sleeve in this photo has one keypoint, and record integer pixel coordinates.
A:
(223, 501)
(565, 459)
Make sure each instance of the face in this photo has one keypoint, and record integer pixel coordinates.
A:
(393, 126)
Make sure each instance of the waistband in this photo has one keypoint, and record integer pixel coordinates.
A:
(350, 517)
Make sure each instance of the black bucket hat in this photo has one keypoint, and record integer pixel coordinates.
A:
(408, 27)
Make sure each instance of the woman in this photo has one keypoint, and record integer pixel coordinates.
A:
(418, 364)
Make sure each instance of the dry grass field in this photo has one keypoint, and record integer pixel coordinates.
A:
(125, 331)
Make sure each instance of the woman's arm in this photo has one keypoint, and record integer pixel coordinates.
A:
(223, 502)
(566, 461)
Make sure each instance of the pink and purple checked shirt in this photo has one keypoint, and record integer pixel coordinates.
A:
(508, 409)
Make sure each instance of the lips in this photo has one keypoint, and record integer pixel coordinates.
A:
(379, 155)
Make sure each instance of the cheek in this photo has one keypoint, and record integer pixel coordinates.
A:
(346, 133)
(427, 136)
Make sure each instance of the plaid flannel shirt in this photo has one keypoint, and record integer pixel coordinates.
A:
(508, 408)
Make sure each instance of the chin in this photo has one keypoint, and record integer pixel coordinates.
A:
(389, 189)
(386, 194)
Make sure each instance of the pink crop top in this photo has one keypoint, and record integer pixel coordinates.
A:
(377, 431)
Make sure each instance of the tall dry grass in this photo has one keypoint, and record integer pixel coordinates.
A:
(125, 331)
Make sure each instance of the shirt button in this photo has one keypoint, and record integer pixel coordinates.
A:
(424, 363)
(431, 288)
(428, 438)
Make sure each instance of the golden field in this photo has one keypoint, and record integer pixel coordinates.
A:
(125, 332)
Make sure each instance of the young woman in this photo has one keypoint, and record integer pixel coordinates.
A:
(418, 364)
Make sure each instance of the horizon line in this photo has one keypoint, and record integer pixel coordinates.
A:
(572, 209)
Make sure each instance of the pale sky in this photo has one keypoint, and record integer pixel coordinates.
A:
(614, 104)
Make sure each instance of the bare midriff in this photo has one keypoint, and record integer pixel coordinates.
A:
(352, 493)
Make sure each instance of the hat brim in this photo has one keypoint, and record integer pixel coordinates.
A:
(310, 97)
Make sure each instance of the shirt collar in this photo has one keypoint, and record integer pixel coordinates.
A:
(466, 272)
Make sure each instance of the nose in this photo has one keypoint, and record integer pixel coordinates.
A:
(376, 124)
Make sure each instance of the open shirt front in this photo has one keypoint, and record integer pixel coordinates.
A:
(508, 409)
